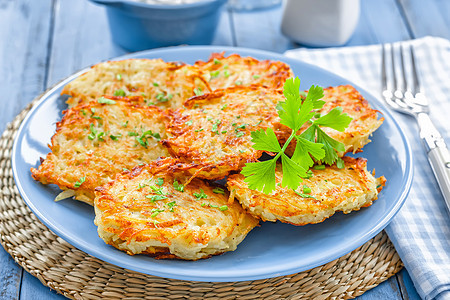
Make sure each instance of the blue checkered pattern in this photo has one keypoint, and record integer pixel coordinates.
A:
(421, 230)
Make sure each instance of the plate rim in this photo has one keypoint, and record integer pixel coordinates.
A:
(406, 180)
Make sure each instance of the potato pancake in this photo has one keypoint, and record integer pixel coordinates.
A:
(154, 81)
(213, 131)
(222, 72)
(319, 197)
(365, 120)
(94, 141)
(149, 211)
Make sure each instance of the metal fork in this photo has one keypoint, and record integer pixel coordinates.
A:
(407, 97)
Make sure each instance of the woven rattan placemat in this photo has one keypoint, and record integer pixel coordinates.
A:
(78, 275)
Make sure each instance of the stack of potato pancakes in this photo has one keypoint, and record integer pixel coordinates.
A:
(144, 141)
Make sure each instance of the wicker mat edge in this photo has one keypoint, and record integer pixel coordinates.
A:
(77, 275)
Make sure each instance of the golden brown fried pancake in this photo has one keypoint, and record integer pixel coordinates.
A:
(213, 131)
(154, 81)
(146, 211)
(93, 142)
(332, 190)
(234, 70)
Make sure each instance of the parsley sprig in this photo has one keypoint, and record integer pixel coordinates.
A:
(313, 144)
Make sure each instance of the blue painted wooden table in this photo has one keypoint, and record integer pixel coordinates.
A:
(47, 40)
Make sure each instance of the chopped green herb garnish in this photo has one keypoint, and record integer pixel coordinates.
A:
(240, 133)
(171, 205)
(115, 137)
(119, 92)
(119, 77)
(200, 195)
(104, 100)
(218, 190)
(319, 167)
(198, 91)
(155, 84)
(223, 207)
(306, 189)
(160, 181)
(188, 123)
(95, 134)
(224, 106)
(198, 130)
(154, 198)
(217, 62)
(238, 82)
(256, 76)
(80, 182)
(125, 124)
(214, 74)
(226, 73)
(132, 133)
(178, 186)
(224, 131)
(156, 211)
(304, 195)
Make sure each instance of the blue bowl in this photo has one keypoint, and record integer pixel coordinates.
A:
(138, 26)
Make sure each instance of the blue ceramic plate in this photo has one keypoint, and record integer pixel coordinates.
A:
(274, 249)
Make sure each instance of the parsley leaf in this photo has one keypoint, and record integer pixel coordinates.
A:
(329, 145)
(311, 145)
(292, 172)
(334, 119)
(260, 175)
(265, 140)
(304, 150)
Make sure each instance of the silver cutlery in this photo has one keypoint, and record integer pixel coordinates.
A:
(406, 96)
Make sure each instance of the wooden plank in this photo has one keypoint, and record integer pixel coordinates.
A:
(407, 288)
(260, 29)
(24, 32)
(434, 16)
(380, 22)
(223, 35)
(10, 276)
(388, 290)
(81, 38)
(371, 28)
(32, 288)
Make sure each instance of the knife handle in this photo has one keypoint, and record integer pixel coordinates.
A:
(439, 159)
(438, 154)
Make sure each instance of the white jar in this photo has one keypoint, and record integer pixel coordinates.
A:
(320, 22)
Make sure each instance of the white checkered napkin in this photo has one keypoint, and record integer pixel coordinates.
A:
(421, 230)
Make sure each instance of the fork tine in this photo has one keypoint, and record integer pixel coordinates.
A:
(383, 68)
(402, 64)
(394, 75)
(416, 84)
